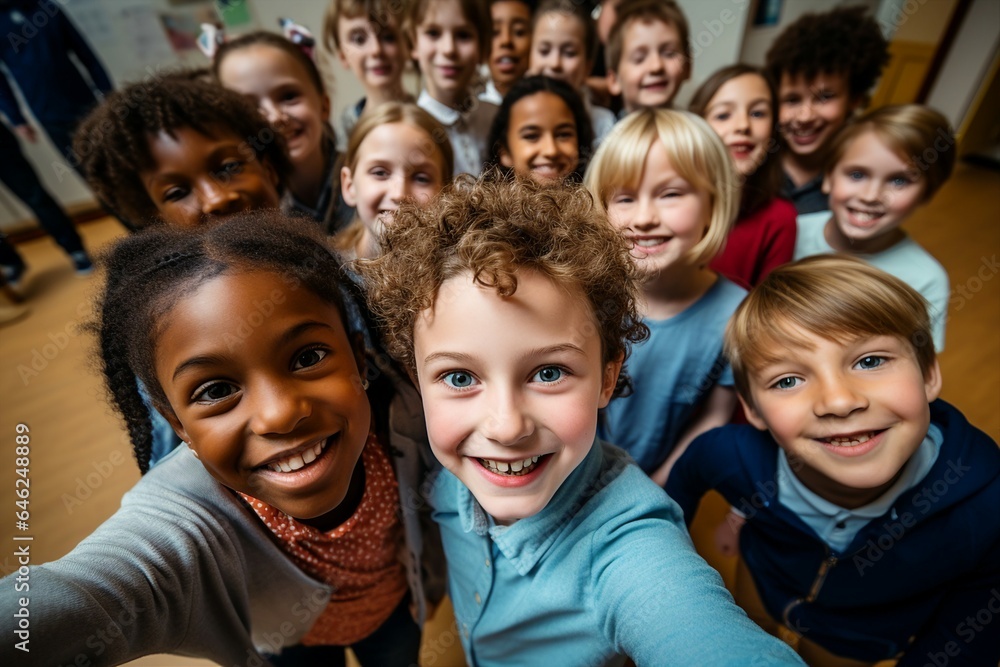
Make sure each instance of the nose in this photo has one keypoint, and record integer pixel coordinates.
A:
(836, 397)
(447, 43)
(506, 37)
(741, 123)
(548, 146)
(276, 410)
(219, 199)
(272, 113)
(399, 188)
(646, 215)
(508, 424)
(871, 191)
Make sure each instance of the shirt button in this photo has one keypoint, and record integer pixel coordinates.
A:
(479, 600)
(487, 563)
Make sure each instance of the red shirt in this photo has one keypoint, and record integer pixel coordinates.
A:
(758, 243)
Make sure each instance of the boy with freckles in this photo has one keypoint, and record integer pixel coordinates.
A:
(513, 305)
(870, 505)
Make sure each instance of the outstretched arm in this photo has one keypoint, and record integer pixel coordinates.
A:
(717, 411)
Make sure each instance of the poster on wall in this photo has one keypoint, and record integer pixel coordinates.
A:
(768, 13)
(182, 24)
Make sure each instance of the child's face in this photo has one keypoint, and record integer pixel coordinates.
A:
(395, 161)
(511, 388)
(664, 215)
(511, 41)
(812, 111)
(281, 87)
(740, 112)
(373, 52)
(872, 191)
(558, 49)
(198, 179)
(447, 48)
(652, 66)
(277, 413)
(541, 138)
(849, 415)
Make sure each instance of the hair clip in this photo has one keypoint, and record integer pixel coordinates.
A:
(211, 38)
(298, 35)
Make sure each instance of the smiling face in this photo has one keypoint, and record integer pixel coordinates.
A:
(664, 215)
(395, 161)
(447, 49)
(872, 191)
(281, 87)
(511, 42)
(849, 415)
(652, 65)
(811, 112)
(198, 179)
(559, 49)
(374, 53)
(511, 388)
(541, 139)
(279, 414)
(740, 112)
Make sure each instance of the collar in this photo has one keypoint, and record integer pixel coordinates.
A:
(441, 111)
(525, 542)
(809, 186)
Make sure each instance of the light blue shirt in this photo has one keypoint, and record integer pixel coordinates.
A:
(605, 570)
(672, 373)
(836, 525)
(906, 260)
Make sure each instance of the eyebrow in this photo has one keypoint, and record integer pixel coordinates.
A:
(212, 359)
(464, 358)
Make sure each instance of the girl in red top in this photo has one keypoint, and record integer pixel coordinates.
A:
(739, 103)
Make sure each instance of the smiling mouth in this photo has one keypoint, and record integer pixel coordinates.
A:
(300, 458)
(865, 216)
(512, 468)
(850, 440)
(650, 242)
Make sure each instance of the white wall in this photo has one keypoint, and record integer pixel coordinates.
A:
(717, 28)
(966, 65)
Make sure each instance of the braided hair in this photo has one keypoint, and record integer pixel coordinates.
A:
(112, 143)
(150, 272)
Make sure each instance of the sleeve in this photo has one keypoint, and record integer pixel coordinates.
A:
(780, 245)
(8, 102)
(85, 54)
(147, 581)
(681, 604)
(688, 480)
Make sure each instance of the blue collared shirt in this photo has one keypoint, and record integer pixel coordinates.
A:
(605, 570)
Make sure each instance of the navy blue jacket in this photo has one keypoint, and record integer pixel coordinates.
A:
(922, 580)
(38, 39)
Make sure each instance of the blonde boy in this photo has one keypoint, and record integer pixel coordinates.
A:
(367, 39)
(870, 506)
(513, 305)
(648, 54)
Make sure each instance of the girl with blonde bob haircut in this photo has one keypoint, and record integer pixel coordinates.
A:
(397, 151)
(667, 182)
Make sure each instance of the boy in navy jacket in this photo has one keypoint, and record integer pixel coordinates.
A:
(871, 507)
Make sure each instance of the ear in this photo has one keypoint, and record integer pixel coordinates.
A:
(505, 158)
(347, 187)
(933, 381)
(826, 184)
(174, 422)
(614, 85)
(752, 415)
(326, 108)
(610, 380)
(358, 347)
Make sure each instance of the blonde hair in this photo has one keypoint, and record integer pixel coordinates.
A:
(694, 150)
(386, 114)
(918, 135)
(837, 297)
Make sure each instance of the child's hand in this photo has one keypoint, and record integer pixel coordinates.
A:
(727, 534)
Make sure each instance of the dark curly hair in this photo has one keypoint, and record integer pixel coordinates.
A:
(112, 143)
(149, 272)
(492, 228)
(844, 41)
(526, 87)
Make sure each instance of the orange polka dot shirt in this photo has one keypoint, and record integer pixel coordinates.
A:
(359, 558)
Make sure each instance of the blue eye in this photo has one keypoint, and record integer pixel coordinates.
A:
(870, 362)
(459, 379)
(548, 374)
(787, 383)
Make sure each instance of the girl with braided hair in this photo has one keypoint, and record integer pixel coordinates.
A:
(278, 530)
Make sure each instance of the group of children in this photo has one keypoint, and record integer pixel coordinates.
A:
(430, 372)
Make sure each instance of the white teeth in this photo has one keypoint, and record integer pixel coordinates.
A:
(865, 216)
(300, 460)
(514, 468)
(850, 441)
(649, 243)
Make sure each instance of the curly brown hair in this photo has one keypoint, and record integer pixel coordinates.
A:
(845, 40)
(492, 228)
(112, 143)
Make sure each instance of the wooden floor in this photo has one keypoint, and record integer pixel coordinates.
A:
(81, 461)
